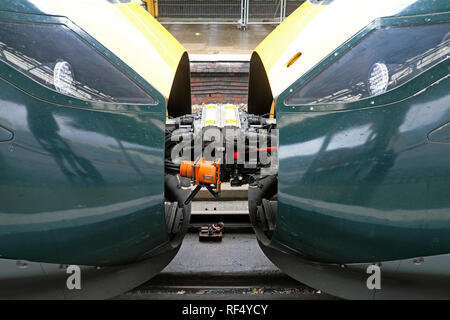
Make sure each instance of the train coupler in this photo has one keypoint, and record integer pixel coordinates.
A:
(203, 174)
(239, 148)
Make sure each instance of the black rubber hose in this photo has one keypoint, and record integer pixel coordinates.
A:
(174, 193)
(171, 168)
(173, 190)
(265, 188)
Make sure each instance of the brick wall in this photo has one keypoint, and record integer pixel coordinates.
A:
(219, 82)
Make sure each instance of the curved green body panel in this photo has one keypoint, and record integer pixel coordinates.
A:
(368, 181)
(80, 182)
(366, 184)
(79, 185)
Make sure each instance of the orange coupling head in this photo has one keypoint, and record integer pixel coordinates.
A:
(202, 172)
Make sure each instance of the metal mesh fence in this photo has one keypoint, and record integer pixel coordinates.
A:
(265, 10)
(292, 5)
(205, 9)
(274, 11)
(238, 11)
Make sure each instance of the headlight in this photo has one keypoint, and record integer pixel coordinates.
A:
(378, 79)
(63, 78)
(56, 57)
(383, 60)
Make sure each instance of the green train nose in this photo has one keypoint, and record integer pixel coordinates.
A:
(82, 144)
(363, 161)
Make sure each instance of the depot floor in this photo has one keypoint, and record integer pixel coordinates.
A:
(234, 268)
(219, 38)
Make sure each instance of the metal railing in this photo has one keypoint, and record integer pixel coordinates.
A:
(265, 11)
(200, 11)
(240, 12)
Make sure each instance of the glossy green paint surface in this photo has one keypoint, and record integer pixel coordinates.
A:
(80, 182)
(362, 181)
(20, 6)
(420, 7)
(440, 134)
(367, 184)
(408, 89)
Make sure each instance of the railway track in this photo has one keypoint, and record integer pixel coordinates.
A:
(246, 286)
(234, 214)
